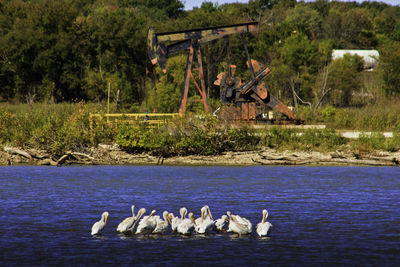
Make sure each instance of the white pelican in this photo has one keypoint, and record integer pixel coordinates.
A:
(205, 223)
(186, 227)
(147, 224)
(127, 222)
(162, 225)
(175, 221)
(98, 227)
(136, 219)
(205, 214)
(220, 223)
(263, 227)
(239, 225)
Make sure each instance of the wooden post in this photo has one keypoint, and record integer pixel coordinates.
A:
(108, 100)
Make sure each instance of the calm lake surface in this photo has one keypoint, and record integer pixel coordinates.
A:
(320, 215)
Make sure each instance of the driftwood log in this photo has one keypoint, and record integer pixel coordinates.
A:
(76, 156)
(46, 159)
(112, 155)
(17, 151)
(324, 159)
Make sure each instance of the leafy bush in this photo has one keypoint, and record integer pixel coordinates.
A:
(377, 141)
(58, 128)
(328, 112)
(55, 128)
(188, 136)
(285, 138)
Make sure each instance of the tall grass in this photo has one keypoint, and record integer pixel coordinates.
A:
(58, 128)
(52, 127)
(378, 117)
(187, 136)
(376, 141)
(292, 139)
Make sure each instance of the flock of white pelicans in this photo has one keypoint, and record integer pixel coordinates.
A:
(205, 224)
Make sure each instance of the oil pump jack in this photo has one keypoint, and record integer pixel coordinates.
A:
(246, 97)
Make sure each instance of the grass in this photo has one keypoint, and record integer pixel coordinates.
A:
(58, 128)
(378, 117)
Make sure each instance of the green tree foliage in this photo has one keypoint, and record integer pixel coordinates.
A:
(344, 79)
(187, 136)
(52, 48)
(357, 30)
(70, 50)
(305, 20)
(156, 9)
(279, 82)
(396, 32)
(350, 29)
(118, 37)
(390, 68)
(386, 21)
(165, 96)
(300, 53)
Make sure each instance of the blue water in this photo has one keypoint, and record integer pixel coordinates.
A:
(320, 215)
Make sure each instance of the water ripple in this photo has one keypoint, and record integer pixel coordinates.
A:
(320, 215)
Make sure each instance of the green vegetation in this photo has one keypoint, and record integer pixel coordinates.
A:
(58, 128)
(316, 140)
(74, 50)
(59, 58)
(188, 136)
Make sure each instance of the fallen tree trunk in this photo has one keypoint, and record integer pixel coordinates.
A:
(324, 160)
(47, 161)
(75, 155)
(17, 151)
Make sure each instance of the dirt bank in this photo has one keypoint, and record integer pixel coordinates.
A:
(112, 155)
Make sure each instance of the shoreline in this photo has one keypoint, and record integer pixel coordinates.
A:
(113, 155)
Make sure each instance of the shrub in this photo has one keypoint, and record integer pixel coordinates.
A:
(55, 128)
(285, 138)
(328, 112)
(188, 136)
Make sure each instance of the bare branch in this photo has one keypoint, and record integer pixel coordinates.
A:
(324, 91)
(301, 100)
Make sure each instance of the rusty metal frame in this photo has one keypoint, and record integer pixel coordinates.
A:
(193, 49)
(160, 45)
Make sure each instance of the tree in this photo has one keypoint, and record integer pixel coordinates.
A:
(118, 40)
(389, 67)
(256, 8)
(357, 30)
(305, 20)
(287, 3)
(386, 21)
(300, 53)
(344, 79)
(156, 9)
(166, 95)
(322, 6)
(332, 27)
(279, 83)
(396, 32)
